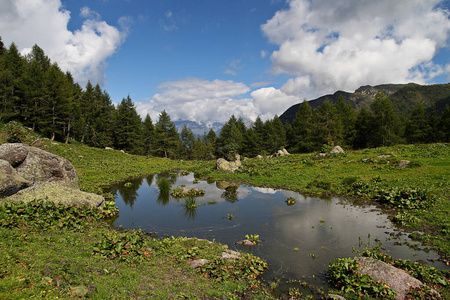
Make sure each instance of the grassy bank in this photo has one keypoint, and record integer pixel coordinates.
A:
(87, 259)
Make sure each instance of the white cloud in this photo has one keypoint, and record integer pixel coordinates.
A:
(44, 22)
(206, 101)
(331, 45)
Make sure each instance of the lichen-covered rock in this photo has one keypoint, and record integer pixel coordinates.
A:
(14, 153)
(229, 166)
(231, 255)
(10, 181)
(395, 278)
(337, 149)
(246, 243)
(41, 166)
(403, 164)
(58, 194)
(198, 262)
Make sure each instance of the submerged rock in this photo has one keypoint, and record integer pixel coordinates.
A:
(246, 243)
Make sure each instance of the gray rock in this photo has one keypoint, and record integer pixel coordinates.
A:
(198, 263)
(337, 149)
(395, 278)
(10, 181)
(14, 153)
(41, 166)
(285, 151)
(228, 166)
(259, 157)
(403, 163)
(58, 194)
(246, 243)
(231, 255)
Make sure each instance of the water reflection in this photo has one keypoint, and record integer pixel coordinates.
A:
(320, 229)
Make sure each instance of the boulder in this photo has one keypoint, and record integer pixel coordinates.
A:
(259, 157)
(228, 166)
(198, 262)
(279, 153)
(285, 151)
(395, 278)
(10, 181)
(403, 164)
(58, 194)
(40, 166)
(337, 149)
(14, 153)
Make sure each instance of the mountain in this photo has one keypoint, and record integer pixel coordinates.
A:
(403, 97)
(199, 129)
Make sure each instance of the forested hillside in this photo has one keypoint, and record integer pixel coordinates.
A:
(37, 93)
(403, 97)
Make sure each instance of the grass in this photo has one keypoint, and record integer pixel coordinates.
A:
(50, 261)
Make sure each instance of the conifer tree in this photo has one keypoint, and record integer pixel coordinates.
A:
(328, 126)
(149, 134)
(187, 142)
(417, 127)
(386, 123)
(166, 137)
(303, 126)
(363, 127)
(347, 114)
(128, 127)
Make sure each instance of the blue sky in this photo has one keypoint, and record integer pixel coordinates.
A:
(204, 60)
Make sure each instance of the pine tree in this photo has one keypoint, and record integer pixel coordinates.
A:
(386, 123)
(347, 114)
(187, 142)
(363, 127)
(231, 138)
(303, 126)
(417, 127)
(166, 137)
(149, 134)
(128, 128)
(328, 126)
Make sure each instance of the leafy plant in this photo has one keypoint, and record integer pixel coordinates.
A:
(406, 198)
(190, 203)
(254, 238)
(290, 201)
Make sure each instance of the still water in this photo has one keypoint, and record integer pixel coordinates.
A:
(297, 241)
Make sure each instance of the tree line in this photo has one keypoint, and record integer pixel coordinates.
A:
(37, 93)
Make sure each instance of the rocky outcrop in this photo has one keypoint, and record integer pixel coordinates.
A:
(28, 173)
(229, 166)
(58, 194)
(10, 181)
(395, 278)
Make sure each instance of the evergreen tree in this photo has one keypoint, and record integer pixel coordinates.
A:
(386, 123)
(166, 137)
(38, 65)
(149, 134)
(231, 138)
(12, 84)
(363, 127)
(303, 126)
(444, 124)
(128, 128)
(417, 127)
(251, 144)
(347, 114)
(328, 126)
(187, 142)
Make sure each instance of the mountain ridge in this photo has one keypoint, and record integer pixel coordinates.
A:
(403, 97)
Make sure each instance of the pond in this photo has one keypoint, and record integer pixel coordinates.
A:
(298, 241)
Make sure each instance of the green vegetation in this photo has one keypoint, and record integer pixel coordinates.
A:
(254, 238)
(343, 276)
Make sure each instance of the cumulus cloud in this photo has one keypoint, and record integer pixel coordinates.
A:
(207, 101)
(343, 44)
(44, 22)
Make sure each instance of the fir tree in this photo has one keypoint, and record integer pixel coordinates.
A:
(167, 138)
(149, 134)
